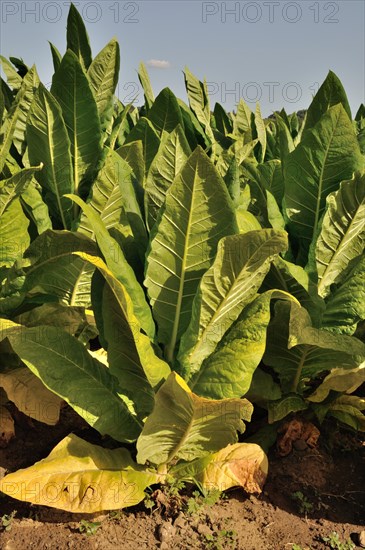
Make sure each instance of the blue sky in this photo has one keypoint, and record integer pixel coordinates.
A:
(275, 52)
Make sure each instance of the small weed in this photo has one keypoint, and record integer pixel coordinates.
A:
(333, 541)
(6, 521)
(304, 505)
(89, 527)
(198, 501)
(221, 540)
(116, 514)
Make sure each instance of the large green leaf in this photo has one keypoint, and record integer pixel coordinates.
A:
(65, 367)
(146, 85)
(119, 266)
(241, 263)
(72, 90)
(80, 477)
(198, 212)
(165, 113)
(48, 142)
(199, 101)
(32, 82)
(342, 236)
(103, 74)
(242, 122)
(171, 157)
(48, 269)
(229, 370)
(114, 200)
(14, 237)
(263, 204)
(77, 37)
(35, 207)
(300, 353)
(14, 124)
(131, 356)
(185, 426)
(14, 186)
(145, 132)
(13, 77)
(327, 154)
(56, 56)
(330, 93)
(345, 305)
(294, 279)
(339, 380)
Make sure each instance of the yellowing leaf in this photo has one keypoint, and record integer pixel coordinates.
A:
(31, 396)
(240, 465)
(186, 426)
(80, 477)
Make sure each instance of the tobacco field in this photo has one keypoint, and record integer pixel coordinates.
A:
(182, 304)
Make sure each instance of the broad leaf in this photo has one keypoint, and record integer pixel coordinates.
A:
(229, 370)
(14, 186)
(56, 56)
(65, 367)
(14, 233)
(82, 478)
(185, 426)
(242, 121)
(131, 357)
(330, 93)
(103, 75)
(72, 90)
(171, 157)
(327, 154)
(145, 132)
(35, 206)
(241, 263)
(114, 200)
(300, 353)
(339, 380)
(240, 465)
(49, 271)
(77, 37)
(48, 142)
(14, 124)
(342, 236)
(345, 306)
(165, 113)
(348, 409)
(283, 407)
(294, 279)
(197, 213)
(119, 266)
(30, 395)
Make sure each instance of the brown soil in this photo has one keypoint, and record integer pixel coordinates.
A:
(331, 480)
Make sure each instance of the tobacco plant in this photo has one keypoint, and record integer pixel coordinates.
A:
(165, 269)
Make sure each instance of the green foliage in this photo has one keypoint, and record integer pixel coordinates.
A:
(89, 527)
(6, 521)
(210, 257)
(334, 541)
(304, 505)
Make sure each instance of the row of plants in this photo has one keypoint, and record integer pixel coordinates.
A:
(167, 269)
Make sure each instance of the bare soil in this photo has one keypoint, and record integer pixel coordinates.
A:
(330, 478)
